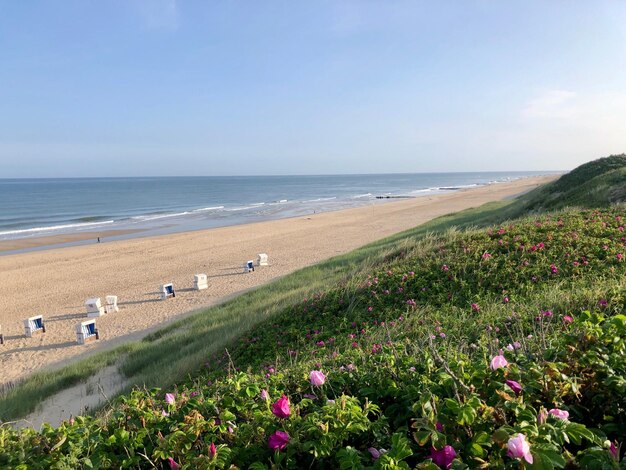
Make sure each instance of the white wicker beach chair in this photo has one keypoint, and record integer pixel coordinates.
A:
(94, 307)
(167, 291)
(262, 259)
(111, 306)
(200, 281)
(86, 330)
(34, 324)
(248, 266)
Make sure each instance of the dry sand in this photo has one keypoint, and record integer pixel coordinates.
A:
(56, 282)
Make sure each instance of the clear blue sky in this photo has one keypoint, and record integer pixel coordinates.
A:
(156, 87)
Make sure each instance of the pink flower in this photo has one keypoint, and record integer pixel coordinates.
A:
(278, 440)
(265, 395)
(445, 267)
(515, 386)
(212, 451)
(173, 464)
(554, 269)
(559, 414)
(281, 407)
(374, 453)
(498, 361)
(317, 378)
(476, 307)
(614, 452)
(443, 457)
(486, 255)
(567, 319)
(169, 398)
(519, 448)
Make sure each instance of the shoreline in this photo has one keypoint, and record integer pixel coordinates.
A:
(190, 216)
(56, 282)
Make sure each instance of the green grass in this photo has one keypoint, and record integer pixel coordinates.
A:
(599, 183)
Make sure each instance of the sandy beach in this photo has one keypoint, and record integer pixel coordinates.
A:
(55, 283)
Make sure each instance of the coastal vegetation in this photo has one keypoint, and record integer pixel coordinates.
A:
(494, 337)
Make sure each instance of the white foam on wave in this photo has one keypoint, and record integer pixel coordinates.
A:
(205, 209)
(320, 199)
(242, 208)
(359, 196)
(55, 227)
(145, 218)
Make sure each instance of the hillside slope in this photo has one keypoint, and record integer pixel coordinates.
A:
(598, 183)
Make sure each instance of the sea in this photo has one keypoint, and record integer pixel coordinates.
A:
(157, 205)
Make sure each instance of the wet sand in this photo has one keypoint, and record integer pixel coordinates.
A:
(36, 242)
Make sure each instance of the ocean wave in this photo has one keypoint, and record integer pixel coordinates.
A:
(241, 208)
(320, 199)
(359, 196)
(204, 209)
(145, 218)
(55, 227)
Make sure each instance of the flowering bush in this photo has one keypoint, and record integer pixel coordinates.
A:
(425, 366)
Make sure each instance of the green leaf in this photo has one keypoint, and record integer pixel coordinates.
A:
(550, 453)
(577, 432)
(422, 437)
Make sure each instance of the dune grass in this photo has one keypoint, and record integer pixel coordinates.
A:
(173, 352)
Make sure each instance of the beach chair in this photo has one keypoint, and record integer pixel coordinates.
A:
(262, 259)
(200, 282)
(94, 307)
(167, 291)
(111, 306)
(86, 330)
(248, 266)
(33, 324)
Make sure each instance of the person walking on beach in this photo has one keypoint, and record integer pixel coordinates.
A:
(98, 239)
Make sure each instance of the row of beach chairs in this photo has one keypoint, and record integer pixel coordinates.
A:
(87, 329)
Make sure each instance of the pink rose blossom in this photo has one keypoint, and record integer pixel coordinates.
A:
(317, 378)
(498, 361)
(212, 450)
(169, 398)
(173, 464)
(278, 441)
(265, 395)
(515, 386)
(559, 414)
(281, 407)
(519, 448)
(443, 457)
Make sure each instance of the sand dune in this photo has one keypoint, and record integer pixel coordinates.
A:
(57, 282)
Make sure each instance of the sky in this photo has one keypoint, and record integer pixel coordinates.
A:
(166, 87)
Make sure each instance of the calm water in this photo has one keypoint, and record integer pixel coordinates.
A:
(39, 207)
